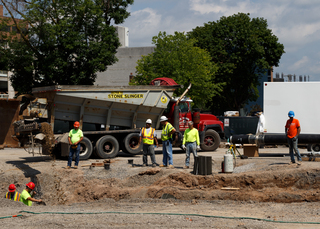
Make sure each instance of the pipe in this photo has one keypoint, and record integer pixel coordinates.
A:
(176, 118)
(273, 139)
(185, 92)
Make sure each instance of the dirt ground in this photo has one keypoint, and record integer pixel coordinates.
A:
(262, 192)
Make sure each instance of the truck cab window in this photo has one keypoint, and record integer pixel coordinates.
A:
(183, 107)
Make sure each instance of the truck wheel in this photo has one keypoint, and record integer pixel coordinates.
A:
(211, 141)
(124, 150)
(316, 147)
(85, 149)
(107, 147)
(131, 144)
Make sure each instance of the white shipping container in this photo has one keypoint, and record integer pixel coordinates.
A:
(300, 97)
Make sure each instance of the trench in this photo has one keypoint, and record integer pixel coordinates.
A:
(62, 188)
(285, 187)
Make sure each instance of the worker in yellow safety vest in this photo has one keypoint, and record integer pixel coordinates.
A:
(190, 143)
(166, 137)
(148, 137)
(26, 197)
(12, 194)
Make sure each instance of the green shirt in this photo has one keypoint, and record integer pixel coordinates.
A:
(191, 136)
(24, 196)
(75, 135)
(165, 131)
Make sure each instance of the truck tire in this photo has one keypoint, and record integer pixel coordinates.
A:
(107, 147)
(315, 147)
(131, 144)
(86, 149)
(211, 141)
(124, 150)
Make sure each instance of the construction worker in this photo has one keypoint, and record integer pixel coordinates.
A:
(26, 198)
(75, 137)
(166, 137)
(293, 129)
(191, 142)
(12, 194)
(148, 137)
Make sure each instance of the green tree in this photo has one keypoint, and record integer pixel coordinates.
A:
(243, 49)
(61, 41)
(176, 57)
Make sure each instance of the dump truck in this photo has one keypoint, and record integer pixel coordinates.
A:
(111, 118)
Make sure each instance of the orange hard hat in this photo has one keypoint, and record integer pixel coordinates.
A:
(31, 185)
(12, 188)
(76, 124)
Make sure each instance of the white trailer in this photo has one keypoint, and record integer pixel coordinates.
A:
(300, 97)
(279, 99)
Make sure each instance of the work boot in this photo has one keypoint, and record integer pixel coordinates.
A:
(186, 167)
(75, 167)
(170, 167)
(144, 165)
(162, 166)
(154, 165)
(68, 167)
(292, 163)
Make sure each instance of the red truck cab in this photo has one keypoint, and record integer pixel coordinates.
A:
(209, 126)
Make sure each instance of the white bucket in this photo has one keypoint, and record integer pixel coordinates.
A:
(228, 163)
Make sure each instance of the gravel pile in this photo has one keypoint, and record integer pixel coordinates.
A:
(244, 168)
(119, 170)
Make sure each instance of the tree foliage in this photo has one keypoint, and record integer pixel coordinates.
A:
(243, 49)
(60, 41)
(176, 57)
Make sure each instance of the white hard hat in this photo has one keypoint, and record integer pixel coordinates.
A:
(163, 118)
(149, 121)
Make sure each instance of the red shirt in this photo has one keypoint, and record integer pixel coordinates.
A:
(292, 127)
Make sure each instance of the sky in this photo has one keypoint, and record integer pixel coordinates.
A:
(296, 23)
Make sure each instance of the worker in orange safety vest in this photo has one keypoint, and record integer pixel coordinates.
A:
(12, 194)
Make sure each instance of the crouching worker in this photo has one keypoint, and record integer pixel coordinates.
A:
(12, 194)
(26, 198)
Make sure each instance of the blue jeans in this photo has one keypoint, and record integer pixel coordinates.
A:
(293, 145)
(191, 147)
(76, 152)
(167, 152)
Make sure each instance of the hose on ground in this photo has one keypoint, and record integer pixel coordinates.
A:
(178, 214)
(11, 216)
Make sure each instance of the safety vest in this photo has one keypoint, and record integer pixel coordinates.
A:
(16, 196)
(165, 132)
(148, 138)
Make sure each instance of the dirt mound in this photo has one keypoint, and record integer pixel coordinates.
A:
(11, 203)
(284, 187)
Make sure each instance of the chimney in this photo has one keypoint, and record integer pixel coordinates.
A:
(1, 10)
